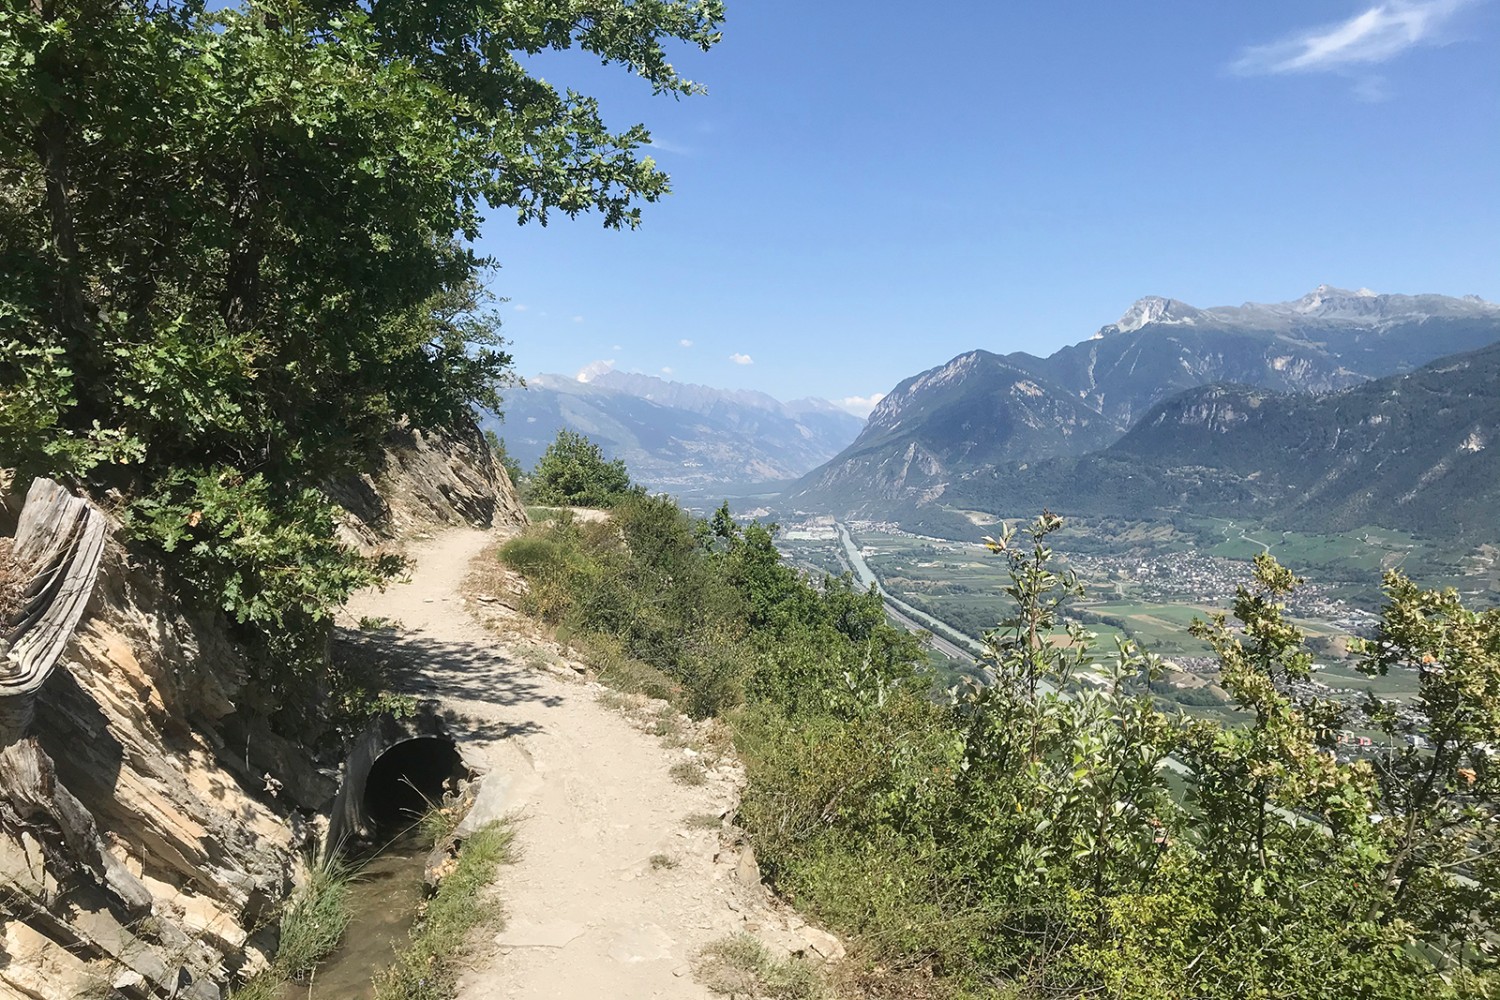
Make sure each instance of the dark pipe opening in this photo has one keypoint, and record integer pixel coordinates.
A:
(410, 778)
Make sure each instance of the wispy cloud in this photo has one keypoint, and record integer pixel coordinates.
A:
(594, 369)
(667, 369)
(741, 359)
(667, 146)
(684, 343)
(1373, 36)
(617, 348)
(860, 406)
(519, 307)
(578, 319)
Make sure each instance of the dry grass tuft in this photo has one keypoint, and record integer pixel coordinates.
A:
(880, 983)
(689, 772)
(741, 967)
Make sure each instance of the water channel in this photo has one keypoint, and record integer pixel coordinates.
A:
(383, 901)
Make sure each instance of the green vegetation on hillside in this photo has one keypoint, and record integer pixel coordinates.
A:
(1026, 844)
(709, 610)
(573, 472)
(235, 249)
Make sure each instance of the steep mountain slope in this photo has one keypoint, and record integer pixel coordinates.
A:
(929, 432)
(978, 410)
(674, 435)
(1419, 451)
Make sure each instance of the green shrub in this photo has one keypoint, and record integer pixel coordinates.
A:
(573, 472)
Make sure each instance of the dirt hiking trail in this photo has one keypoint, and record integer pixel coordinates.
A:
(616, 890)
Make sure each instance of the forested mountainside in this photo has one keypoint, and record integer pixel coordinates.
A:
(673, 434)
(1415, 451)
(979, 411)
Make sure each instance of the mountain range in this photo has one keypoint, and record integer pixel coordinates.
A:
(1418, 452)
(673, 435)
(982, 420)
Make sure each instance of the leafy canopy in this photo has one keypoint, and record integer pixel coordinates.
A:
(235, 246)
(574, 472)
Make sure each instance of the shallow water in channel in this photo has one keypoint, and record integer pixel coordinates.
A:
(383, 901)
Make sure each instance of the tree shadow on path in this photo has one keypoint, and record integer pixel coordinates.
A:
(426, 666)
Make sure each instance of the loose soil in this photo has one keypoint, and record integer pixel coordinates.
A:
(591, 909)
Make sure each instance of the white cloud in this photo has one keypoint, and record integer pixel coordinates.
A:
(685, 342)
(860, 406)
(741, 359)
(594, 369)
(666, 369)
(1373, 36)
(578, 319)
(617, 348)
(667, 146)
(519, 307)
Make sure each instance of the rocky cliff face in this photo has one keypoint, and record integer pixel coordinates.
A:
(149, 827)
(423, 479)
(141, 851)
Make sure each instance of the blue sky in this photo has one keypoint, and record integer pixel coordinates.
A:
(869, 189)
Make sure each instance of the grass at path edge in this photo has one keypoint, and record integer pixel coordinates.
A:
(427, 968)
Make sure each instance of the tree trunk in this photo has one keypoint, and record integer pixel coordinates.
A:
(70, 310)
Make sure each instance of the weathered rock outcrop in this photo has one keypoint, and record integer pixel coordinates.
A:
(140, 855)
(426, 478)
(149, 827)
(52, 564)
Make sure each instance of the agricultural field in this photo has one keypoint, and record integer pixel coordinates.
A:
(1151, 589)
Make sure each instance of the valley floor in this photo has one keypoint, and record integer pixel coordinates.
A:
(619, 885)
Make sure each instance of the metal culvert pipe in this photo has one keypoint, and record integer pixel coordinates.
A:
(410, 778)
(394, 770)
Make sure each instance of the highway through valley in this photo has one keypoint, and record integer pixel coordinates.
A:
(945, 638)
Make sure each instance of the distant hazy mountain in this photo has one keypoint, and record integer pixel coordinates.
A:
(1419, 451)
(673, 435)
(963, 419)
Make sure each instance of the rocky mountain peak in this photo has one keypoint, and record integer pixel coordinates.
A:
(1147, 310)
(1326, 299)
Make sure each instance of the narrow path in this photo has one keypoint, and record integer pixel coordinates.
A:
(588, 912)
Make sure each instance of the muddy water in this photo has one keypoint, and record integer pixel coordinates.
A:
(382, 902)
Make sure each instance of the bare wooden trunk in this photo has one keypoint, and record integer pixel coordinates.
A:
(59, 542)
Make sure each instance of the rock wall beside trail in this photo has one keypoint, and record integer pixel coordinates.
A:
(427, 478)
(150, 826)
(141, 851)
